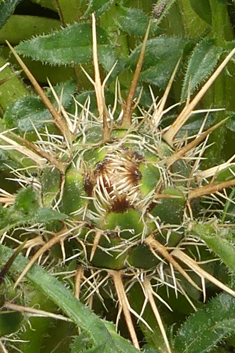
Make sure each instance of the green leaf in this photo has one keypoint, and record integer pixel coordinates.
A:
(161, 57)
(81, 343)
(206, 328)
(49, 4)
(50, 185)
(224, 175)
(26, 203)
(218, 244)
(124, 345)
(202, 62)
(202, 9)
(133, 21)
(3, 212)
(71, 45)
(29, 112)
(230, 124)
(26, 209)
(99, 332)
(74, 195)
(193, 125)
(6, 9)
(9, 263)
(98, 6)
(98, 349)
(26, 114)
(45, 215)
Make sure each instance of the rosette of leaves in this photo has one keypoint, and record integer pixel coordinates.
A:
(127, 200)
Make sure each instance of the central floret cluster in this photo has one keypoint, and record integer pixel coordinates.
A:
(134, 176)
(117, 181)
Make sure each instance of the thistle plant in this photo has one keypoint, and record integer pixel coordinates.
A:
(115, 199)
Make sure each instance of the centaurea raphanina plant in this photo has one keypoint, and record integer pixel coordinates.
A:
(119, 196)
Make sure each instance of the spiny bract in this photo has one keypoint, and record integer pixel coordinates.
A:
(121, 197)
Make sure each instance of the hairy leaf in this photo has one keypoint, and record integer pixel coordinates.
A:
(218, 243)
(26, 209)
(29, 112)
(230, 124)
(81, 343)
(100, 332)
(45, 215)
(161, 57)
(50, 4)
(6, 9)
(69, 46)
(207, 327)
(26, 202)
(202, 62)
(133, 21)
(98, 6)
